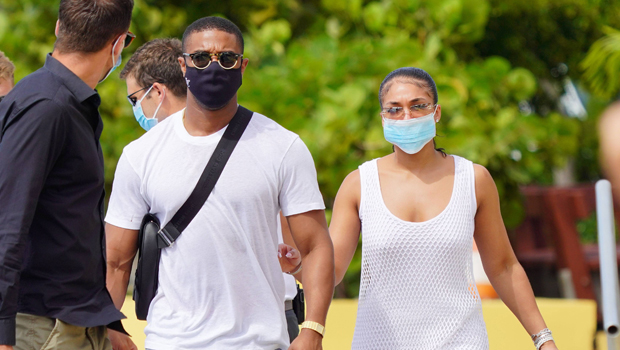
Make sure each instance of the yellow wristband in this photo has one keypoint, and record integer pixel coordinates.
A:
(315, 326)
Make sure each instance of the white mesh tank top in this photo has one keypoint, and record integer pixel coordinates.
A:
(417, 289)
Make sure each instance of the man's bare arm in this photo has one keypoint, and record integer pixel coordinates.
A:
(121, 248)
(309, 231)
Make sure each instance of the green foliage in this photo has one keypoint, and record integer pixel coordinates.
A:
(316, 65)
(587, 229)
(27, 32)
(540, 34)
(336, 111)
(602, 64)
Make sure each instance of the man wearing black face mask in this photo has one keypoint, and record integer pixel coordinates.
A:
(220, 284)
(52, 259)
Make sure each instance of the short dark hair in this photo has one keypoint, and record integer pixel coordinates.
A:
(89, 25)
(214, 23)
(157, 62)
(413, 74)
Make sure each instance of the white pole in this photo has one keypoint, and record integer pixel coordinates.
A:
(609, 267)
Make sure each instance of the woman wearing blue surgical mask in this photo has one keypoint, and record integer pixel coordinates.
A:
(419, 211)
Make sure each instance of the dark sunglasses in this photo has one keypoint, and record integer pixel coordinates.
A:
(129, 39)
(202, 60)
(134, 100)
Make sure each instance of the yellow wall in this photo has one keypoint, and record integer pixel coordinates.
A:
(573, 323)
(132, 324)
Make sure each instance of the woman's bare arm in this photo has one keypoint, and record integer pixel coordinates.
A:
(499, 261)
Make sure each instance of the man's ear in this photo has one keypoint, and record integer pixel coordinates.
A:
(119, 45)
(182, 64)
(160, 90)
(57, 28)
(244, 64)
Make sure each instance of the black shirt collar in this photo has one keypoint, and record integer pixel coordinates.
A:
(76, 85)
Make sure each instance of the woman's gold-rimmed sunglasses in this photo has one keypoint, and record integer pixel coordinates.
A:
(202, 60)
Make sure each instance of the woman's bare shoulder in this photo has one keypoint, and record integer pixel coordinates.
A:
(352, 183)
(485, 185)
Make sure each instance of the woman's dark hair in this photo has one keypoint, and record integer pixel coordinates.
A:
(411, 75)
(89, 25)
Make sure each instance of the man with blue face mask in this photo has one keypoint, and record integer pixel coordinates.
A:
(220, 285)
(156, 89)
(155, 84)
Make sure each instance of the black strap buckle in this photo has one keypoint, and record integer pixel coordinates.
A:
(164, 240)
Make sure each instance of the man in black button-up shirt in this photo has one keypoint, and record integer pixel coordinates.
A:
(52, 249)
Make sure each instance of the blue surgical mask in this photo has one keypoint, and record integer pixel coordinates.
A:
(146, 123)
(410, 135)
(115, 63)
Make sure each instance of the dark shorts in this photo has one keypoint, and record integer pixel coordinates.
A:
(292, 324)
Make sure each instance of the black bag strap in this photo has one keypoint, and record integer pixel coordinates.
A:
(208, 179)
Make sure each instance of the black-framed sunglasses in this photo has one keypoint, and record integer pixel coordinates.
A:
(134, 100)
(202, 60)
(129, 39)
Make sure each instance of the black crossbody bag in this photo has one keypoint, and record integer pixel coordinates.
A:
(152, 239)
(299, 305)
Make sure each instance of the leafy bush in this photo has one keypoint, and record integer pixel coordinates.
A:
(316, 65)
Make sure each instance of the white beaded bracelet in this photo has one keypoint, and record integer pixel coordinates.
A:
(542, 341)
(541, 338)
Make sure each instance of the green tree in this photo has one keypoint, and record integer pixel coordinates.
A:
(602, 64)
(316, 65)
(541, 34)
(337, 113)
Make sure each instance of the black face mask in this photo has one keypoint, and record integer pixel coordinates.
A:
(213, 86)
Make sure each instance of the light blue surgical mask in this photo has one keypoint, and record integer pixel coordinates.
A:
(410, 135)
(115, 63)
(146, 123)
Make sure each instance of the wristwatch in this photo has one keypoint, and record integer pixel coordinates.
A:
(315, 326)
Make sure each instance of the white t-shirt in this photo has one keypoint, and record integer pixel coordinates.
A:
(220, 284)
(290, 285)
